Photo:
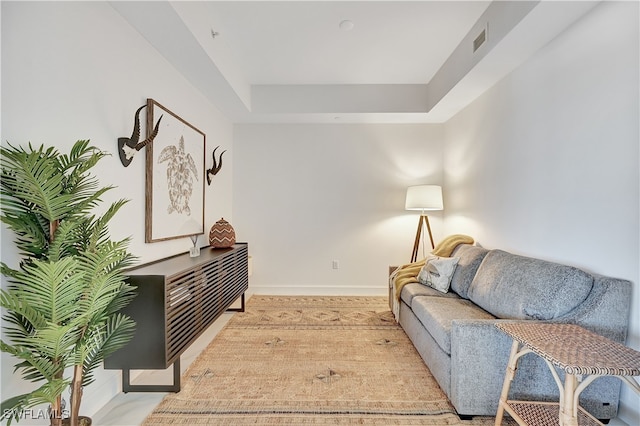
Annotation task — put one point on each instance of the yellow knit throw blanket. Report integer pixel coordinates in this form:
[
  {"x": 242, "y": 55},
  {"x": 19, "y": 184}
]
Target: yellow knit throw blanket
[{"x": 408, "y": 273}]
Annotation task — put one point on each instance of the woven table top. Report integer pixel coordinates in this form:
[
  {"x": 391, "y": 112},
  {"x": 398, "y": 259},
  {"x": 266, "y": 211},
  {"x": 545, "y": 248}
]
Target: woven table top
[{"x": 575, "y": 349}]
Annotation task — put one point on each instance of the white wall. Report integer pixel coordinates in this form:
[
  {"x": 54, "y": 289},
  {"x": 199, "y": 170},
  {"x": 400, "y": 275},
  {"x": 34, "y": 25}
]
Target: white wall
[
  {"x": 546, "y": 162},
  {"x": 77, "y": 70},
  {"x": 305, "y": 195}
]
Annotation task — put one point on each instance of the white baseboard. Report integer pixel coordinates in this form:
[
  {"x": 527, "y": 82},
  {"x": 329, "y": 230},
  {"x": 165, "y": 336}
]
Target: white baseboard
[{"x": 280, "y": 290}]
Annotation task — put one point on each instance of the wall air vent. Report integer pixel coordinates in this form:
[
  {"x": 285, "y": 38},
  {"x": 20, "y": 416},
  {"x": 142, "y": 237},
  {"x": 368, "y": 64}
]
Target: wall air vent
[{"x": 480, "y": 39}]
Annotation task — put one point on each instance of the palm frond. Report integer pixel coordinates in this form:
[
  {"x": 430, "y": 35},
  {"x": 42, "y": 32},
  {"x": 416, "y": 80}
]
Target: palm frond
[
  {"x": 31, "y": 233},
  {"x": 87, "y": 197},
  {"x": 45, "y": 394},
  {"x": 67, "y": 239},
  {"x": 53, "y": 342},
  {"x": 23, "y": 316},
  {"x": 52, "y": 185},
  {"x": 78, "y": 182},
  {"x": 35, "y": 179},
  {"x": 103, "y": 340},
  {"x": 33, "y": 366},
  {"x": 51, "y": 288},
  {"x": 109, "y": 292},
  {"x": 81, "y": 158},
  {"x": 99, "y": 232}
]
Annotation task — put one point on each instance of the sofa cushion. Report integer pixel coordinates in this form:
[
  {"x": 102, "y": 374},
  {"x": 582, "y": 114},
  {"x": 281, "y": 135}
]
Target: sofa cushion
[
  {"x": 409, "y": 291},
  {"x": 470, "y": 259},
  {"x": 437, "y": 272},
  {"x": 437, "y": 313},
  {"x": 519, "y": 287}
]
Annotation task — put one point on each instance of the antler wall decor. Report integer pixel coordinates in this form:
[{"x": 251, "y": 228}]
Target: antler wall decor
[
  {"x": 128, "y": 147},
  {"x": 217, "y": 165}
]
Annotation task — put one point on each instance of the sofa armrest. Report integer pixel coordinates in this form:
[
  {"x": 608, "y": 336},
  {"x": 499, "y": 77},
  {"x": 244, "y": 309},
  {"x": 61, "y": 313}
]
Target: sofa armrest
[
  {"x": 606, "y": 310},
  {"x": 479, "y": 356}
]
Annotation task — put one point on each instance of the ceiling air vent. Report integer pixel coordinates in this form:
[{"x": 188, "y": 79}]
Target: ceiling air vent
[{"x": 480, "y": 39}]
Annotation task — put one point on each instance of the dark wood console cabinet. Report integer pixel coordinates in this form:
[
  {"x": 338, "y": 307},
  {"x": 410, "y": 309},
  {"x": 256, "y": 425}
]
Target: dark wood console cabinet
[{"x": 178, "y": 299}]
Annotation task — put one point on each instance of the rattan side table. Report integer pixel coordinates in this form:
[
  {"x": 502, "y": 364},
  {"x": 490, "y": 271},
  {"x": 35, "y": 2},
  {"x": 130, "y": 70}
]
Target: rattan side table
[{"x": 583, "y": 355}]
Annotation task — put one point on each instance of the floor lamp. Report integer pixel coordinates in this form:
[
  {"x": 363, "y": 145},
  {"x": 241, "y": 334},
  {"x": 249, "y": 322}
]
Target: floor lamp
[{"x": 423, "y": 198}]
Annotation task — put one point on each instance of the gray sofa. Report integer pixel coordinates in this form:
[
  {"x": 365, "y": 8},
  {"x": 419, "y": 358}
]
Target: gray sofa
[{"x": 455, "y": 332}]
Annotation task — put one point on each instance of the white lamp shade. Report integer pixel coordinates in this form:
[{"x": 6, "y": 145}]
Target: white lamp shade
[{"x": 424, "y": 197}]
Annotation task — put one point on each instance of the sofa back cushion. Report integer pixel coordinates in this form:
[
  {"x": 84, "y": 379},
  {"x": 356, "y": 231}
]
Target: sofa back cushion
[
  {"x": 470, "y": 258},
  {"x": 519, "y": 287}
]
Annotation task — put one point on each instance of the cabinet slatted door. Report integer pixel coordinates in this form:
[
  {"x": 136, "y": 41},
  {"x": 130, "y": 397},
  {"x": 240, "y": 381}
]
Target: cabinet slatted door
[{"x": 178, "y": 299}]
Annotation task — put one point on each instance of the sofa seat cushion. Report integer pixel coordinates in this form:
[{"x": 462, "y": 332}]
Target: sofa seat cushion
[
  {"x": 518, "y": 287},
  {"x": 437, "y": 313},
  {"x": 409, "y": 291}
]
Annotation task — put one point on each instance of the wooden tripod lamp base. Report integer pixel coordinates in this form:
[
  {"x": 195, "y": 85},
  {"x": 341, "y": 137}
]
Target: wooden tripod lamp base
[
  {"x": 423, "y": 198},
  {"x": 423, "y": 219}
]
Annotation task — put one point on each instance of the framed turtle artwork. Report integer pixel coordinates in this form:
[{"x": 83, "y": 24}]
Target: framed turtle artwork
[{"x": 174, "y": 205}]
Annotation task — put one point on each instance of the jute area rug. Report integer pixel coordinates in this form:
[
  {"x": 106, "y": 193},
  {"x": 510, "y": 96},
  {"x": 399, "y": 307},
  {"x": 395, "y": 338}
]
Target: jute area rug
[{"x": 309, "y": 360}]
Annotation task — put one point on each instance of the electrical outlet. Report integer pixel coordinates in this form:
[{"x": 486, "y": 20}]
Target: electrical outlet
[{"x": 335, "y": 264}]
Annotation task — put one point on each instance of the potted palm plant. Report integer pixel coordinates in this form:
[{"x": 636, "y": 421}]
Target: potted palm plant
[{"x": 62, "y": 302}]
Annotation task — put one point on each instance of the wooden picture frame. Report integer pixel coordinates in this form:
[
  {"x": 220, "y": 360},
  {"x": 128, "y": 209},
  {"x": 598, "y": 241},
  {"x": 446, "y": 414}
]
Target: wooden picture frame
[{"x": 174, "y": 200}]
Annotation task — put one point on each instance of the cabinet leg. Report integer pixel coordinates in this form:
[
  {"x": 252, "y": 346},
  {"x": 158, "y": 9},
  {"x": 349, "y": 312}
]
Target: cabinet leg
[
  {"x": 175, "y": 387},
  {"x": 241, "y": 308},
  {"x": 176, "y": 376}
]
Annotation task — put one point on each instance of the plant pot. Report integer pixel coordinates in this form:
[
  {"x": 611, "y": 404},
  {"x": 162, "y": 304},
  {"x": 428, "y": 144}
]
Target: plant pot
[{"x": 82, "y": 421}]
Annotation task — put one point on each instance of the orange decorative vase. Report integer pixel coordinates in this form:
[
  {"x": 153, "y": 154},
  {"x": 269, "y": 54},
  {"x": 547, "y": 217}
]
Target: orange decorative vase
[{"x": 222, "y": 234}]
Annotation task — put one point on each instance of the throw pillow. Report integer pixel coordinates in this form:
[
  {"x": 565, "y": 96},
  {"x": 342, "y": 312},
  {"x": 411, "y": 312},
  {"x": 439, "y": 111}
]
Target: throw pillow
[{"x": 437, "y": 272}]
